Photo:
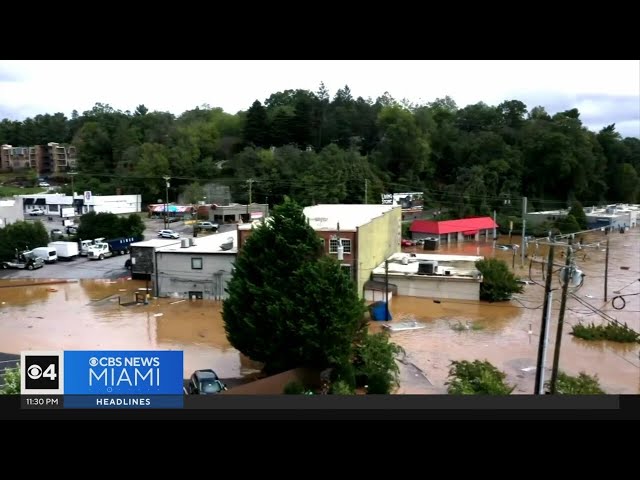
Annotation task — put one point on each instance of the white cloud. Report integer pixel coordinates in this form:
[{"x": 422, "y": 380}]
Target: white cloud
[{"x": 32, "y": 87}]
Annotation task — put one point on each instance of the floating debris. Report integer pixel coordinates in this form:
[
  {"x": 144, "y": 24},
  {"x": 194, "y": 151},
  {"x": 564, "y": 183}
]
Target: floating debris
[
  {"x": 178, "y": 301},
  {"x": 403, "y": 326},
  {"x": 158, "y": 314}
]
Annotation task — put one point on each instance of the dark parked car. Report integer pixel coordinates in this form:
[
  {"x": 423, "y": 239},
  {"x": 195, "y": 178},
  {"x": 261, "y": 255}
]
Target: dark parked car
[{"x": 205, "y": 382}]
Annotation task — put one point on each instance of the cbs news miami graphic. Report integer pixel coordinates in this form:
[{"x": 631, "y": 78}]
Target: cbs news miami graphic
[{"x": 102, "y": 379}]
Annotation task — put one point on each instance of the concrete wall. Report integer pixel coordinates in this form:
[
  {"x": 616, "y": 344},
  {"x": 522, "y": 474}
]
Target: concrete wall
[
  {"x": 175, "y": 276},
  {"x": 435, "y": 286},
  {"x": 377, "y": 240},
  {"x": 10, "y": 211},
  {"x": 275, "y": 384}
]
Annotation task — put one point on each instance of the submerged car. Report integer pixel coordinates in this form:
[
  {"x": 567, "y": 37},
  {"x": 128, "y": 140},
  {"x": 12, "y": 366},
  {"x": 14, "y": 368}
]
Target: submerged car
[{"x": 205, "y": 382}]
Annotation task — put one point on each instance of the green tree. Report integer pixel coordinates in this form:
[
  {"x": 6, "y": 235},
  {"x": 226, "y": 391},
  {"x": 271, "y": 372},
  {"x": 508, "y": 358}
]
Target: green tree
[
  {"x": 583, "y": 384},
  {"x": 375, "y": 363},
  {"x": 20, "y": 236},
  {"x": 304, "y": 311},
  {"x": 476, "y": 378},
  {"x": 577, "y": 210},
  {"x": 498, "y": 283},
  {"x": 11, "y": 381},
  {"x": 568, "y": 224},
  {"x": 109, "y": 225},
  {"x": 193, "y": 193}
]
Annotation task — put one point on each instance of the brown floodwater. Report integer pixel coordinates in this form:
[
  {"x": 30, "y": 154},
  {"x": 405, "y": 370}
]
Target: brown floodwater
[
  {"x": 499, "y": 332},
  {"x": 88, "y": 314}
]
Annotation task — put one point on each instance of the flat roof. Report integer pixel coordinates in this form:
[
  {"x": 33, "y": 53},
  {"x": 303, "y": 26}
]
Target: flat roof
[
  {"x": 208, "y": 244},
  {"x": 156, "y": 242},
  {"x": 350, "y": 217},
  {"x": 459, "y": 266}
]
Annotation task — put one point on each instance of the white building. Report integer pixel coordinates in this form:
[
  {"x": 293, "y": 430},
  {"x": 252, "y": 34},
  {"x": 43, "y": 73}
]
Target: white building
[
  {"x": 196, "y": 268},
  {"x": 10, "y": 211},
  {"x": 53, "y": 203},
  {"x": 432, "y": 276}
]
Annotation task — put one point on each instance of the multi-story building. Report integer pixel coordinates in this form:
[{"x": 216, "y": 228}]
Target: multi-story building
[
  {"x": 45, "y": 159},
  {"x": 367, "y": 233}
]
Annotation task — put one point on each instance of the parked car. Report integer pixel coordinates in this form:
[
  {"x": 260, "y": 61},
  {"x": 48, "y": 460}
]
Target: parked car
[
  {"x": 407, "y": 243},
  {"x": 168, "y": 234},
  {"x": 56, "y": 233},
  {"x": 44, "y": 185},
  {"x": 208, "y": 226},
  {"x": 205, "y": 382},
  {"x": 36, "y": 212}
]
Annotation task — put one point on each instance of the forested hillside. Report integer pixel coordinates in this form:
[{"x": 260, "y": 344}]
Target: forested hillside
[{"x": 319, "y": 148}]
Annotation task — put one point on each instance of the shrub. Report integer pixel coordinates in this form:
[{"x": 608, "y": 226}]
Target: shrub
[
  {"x": 614, "y": 332},
  {"x": 341, "y": 388},
  {"x": 376, "y": 363},
  {"x": 476, "y": 378},
  {"x": 11, "y": 381},
  {"x": 294, "y": 388},
  {"x": 583, "y": 384}
]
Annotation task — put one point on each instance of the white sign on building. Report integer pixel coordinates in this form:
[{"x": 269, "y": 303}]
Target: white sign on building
[{"x": 87, "y": 196}]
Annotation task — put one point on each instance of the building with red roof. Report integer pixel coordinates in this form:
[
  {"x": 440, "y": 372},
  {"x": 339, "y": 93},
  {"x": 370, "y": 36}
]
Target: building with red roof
[{"x": 464, "y": 229}]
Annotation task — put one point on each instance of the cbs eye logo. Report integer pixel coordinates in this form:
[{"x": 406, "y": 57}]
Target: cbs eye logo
[{"x": 41, "y": 372}]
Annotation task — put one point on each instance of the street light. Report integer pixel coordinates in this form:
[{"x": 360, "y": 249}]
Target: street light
[{"x": 166, "y": 202}]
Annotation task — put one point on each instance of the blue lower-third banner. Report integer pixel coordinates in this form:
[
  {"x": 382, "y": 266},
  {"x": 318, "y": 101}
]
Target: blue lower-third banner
[{"x": 124, "y": 401}]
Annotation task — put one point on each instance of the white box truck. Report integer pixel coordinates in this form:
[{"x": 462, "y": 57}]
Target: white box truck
[{"x": 66, "y": 250}]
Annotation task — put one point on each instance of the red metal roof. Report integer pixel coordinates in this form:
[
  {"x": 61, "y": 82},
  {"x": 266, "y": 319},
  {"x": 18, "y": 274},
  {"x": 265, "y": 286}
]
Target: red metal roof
[{"x": 452, "y": 226}]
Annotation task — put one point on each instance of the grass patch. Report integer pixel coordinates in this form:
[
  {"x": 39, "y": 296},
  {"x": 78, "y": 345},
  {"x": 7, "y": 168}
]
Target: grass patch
[
  {"x": 611, "y": 331},
  {"x": 11, "y": 191}
]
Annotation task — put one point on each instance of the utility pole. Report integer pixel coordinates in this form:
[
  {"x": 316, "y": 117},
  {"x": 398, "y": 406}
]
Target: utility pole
[
  {"x": 524, "y": 222},
  {"x": 495, "y": 237},
  {"x": 386, "y": 290},
  {"x": 606, "y": 271},
  {"x": 366, "y": 191},
  {"x": 544, "y": 328},
  {"x": 166, "y": 201},
  {"x": 566, "y": 277},
  {"x": 250, "y": 182}
]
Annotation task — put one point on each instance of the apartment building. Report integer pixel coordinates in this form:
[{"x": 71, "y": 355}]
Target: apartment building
[{"x": 51, "y": 158}]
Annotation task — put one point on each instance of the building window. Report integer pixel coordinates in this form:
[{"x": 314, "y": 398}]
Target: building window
[
  {"x": 196, "y": 263},
  {"x": 346, "y": 269},
  {"x": 333, "y": 245}
]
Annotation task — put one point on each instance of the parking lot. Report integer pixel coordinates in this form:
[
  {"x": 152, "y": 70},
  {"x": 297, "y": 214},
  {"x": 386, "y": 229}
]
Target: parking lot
[{"x": 110, "y": 268}]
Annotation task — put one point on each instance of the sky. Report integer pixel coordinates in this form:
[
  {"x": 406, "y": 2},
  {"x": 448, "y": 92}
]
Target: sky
[{"x": 604, "y": 91}]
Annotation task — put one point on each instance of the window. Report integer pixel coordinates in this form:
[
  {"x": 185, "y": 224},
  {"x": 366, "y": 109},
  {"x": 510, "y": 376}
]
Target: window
[
  {"x": 196, "y": 263},
  {"x": 346, "y": 269},
  {"x": 333, "y": 245}
]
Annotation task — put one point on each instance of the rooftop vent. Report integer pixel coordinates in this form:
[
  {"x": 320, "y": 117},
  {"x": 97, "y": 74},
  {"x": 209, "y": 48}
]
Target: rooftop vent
[{"x": 184, "y": 243}]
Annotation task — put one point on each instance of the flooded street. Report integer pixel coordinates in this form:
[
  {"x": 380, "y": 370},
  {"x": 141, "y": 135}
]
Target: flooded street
[
  {"x": 499, "y": 332},
  {"x": 86, "y": 314}
]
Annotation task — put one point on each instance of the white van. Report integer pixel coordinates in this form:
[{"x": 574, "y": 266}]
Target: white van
[{"x": 48, "y": 254}]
